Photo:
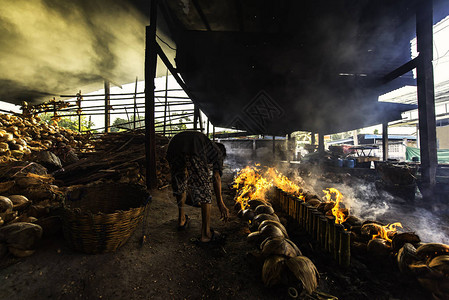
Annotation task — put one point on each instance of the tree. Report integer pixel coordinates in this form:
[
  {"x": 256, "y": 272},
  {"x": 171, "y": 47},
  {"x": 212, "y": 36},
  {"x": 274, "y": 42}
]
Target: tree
[{"x": 68, "y": 122}]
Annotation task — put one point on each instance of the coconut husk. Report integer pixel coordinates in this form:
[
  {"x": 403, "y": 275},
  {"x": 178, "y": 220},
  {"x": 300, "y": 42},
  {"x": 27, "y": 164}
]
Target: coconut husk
[
  {"x": 272, "y": 270},
  {"x": 378, "y": 247},
  {"x": 400, "y": 239},
  {"x": 313, "y": 202},
  {"x": 370, "y": 229},
  {"x": 279, "y": 246},
  {"x": 358, "y": 247},
  {"x": 20, "y": 252},
  {"x": 406, "y": 257},
  {"x": 428, "y": 251},
  {"x": 248, "y": 214},
  {"x": 20, "y": 202},
  {"x": 6, "y": 186},
  {"x": 271, "y": 231},
  {"x": 264, "y": 209},
  {"x": 275, "y": 223},
  {"x": 6, "y": 205},
  {"x": 21, "y": 235},
  {"x": 37, "y": 211},
  {"x": 352, "y": 221},
  {"x": 305, "y": 271},
  {"x": 260, "y": 218},
  {"x": 256, "y": 202}
]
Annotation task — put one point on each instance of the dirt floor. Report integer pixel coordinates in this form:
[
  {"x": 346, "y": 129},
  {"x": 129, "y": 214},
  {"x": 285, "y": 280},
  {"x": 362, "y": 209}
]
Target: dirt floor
[{"x": 171, "y": 266}]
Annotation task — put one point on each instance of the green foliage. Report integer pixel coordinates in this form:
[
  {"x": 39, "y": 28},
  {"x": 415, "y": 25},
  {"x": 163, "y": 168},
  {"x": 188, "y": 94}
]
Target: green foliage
[{"x": 68, "y": 122}]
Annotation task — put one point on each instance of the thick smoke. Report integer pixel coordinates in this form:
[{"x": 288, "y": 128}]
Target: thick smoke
[{"x": 53, "y": 47}]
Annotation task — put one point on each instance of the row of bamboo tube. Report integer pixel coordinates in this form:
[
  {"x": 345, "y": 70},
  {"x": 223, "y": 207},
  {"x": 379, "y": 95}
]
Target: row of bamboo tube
[{"x": 330, "y": 236}]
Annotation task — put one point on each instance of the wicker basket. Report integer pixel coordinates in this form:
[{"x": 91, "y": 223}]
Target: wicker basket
[{"x": 101, "y": 218}]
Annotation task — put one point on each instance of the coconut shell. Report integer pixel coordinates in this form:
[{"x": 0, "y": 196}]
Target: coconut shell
[
  {"x": 272, "y": 270},
  {"x": 37, "y": 211},
  {"x": 378, "y": 247},
  {"x": 400, "y": 239},
  {"x": 406, "y": 257},
  {"x": 305, "y": 271},
  {"x": 271, "y": 231},
  {"x": 428, "y": 251},
  {"x": 254, "y": 237},
  {"x": 440, "y": 264},
  {"x": 279, "y": 246},
  {"x": 264, "y": 209},
  {"x": 352, "y": 221},
  {"x": 6, "y": 204},
  {"x": 20, "y": 252},
  {"x": 20, "y": 202},
  {"x": 275, "y": 223},
  {"x": 262, "y": 217}
]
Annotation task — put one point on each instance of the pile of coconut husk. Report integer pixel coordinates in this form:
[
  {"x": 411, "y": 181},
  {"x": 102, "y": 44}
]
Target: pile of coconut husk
[
  {"x": 29, "y": 207},
  {"x": 283, "y": 262},
  {"x": 22, "y": 136},
  {"x": 118, "y": 157}
]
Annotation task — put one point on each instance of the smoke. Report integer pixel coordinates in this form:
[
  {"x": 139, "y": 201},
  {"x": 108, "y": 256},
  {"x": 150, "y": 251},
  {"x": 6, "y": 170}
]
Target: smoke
[{"x": 52, "y": 47}]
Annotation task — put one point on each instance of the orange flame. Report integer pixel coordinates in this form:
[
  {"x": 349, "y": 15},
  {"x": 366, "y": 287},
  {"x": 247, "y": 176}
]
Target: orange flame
[
  {"x": 253, "y": 183},
  {"x": 387, "y": 230},
  {"x": 330, "y": 195}
]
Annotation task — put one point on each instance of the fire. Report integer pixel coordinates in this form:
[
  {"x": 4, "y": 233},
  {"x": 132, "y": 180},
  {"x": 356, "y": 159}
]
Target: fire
[
  {"x": 386, "y": 231},
  {"x": 254, "y": 183},
  {"x": 337, "y": 212}
]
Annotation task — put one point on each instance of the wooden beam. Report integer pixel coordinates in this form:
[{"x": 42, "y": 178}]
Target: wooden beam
[
  {"x": 107, "y": 105},
  {"x": 202, "y": 15},
  {"x": 407, "y": 67},
  {"x": 150, "y": 74},
  {"x": 385, "y": 141},
  {"x": 426, "y": 98}
]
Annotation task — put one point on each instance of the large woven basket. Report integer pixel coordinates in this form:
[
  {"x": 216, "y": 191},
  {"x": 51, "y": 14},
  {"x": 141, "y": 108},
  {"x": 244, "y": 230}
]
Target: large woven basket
[{"x": 101, "y": 218}]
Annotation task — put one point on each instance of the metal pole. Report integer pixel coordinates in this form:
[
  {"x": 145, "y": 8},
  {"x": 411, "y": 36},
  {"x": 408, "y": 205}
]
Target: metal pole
[
  {"x": 166, "y": 100},
  {"x": 385, "y": 140},
  {"x": 150, "y": 74},
  {"x": 107, "y": 103},
  {"x": 426, "y": 97}
]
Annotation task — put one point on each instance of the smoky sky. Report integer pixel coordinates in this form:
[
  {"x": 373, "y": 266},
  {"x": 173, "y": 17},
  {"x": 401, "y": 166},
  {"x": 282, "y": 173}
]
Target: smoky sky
[{"x": 50, "y": 47}]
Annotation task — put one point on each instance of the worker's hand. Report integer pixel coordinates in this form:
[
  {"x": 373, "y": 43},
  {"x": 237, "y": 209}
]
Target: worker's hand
[{"x": 224, "y": 212}]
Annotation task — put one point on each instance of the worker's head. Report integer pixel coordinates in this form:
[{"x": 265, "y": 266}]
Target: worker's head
[{"x": 222, "y": 149}]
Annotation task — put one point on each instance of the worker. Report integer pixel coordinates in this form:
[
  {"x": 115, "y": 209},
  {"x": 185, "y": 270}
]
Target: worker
[{"x": 190, "y": 155}]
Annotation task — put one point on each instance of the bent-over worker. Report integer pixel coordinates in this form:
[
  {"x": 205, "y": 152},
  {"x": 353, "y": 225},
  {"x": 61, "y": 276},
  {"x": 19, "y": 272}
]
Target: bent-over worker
[{"x": 189, "y": 154}]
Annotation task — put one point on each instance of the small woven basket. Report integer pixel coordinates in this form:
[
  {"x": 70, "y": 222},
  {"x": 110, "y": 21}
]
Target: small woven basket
[{"x": 101, "y": 218}]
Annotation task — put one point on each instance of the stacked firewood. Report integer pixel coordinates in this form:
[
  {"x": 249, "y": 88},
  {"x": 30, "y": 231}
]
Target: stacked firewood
[{"x": 118, "y": 157}]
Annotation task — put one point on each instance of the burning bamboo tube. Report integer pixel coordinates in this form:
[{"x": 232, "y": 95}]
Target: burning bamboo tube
[
  {"x": 330, "y": 233},
  {"x": 345, "y": 249},
  {"x": 323, "y": 227},
  {"x": 337, "y": 233}
]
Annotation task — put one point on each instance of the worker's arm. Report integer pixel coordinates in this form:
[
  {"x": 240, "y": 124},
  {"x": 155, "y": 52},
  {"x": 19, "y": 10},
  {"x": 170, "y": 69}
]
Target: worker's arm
[{"x": 217, "y": 189}]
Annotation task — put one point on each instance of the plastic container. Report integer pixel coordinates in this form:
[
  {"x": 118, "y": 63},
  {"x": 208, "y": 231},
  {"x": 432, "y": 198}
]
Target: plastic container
[{"x": 349, "y": 163}]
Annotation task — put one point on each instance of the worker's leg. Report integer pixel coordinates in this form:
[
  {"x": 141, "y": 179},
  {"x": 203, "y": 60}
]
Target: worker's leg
[
  {"x": 181, "y": 199},
  {"x": 205, "y": 225}
]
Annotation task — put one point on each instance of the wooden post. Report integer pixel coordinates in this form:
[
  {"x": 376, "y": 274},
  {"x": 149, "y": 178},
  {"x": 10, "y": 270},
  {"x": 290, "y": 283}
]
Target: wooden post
[
  {"x": 79, "y": 98},
  {"x": 313, "y": 138},
  {"x": 321, "y": 142},
  {"x": 213, "y": 132},
  {"x": 135, "y": 105},
  {"x": 150, "y": 74},
  {"x": 166, "y": 100},
  {"x": 107, "y": 104},
  {"x": 196, "y": 113},
  {"x": 385, "y": 141},
  {"x": 274, "y": 146},
  {"x": 426, "y": 97}
]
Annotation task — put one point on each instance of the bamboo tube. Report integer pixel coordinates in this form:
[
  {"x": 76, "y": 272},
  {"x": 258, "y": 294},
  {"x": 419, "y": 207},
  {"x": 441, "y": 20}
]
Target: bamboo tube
[
  {"x": 331, "y": 233},
  {"x": 338, "y": 229},
  {"x": 345, "y": 249},
  {"x": 315, "y": 224},
  {"x": 303, "y": 213},
  {"x": 297, "y": 210},
  {"x": 323, "y": 226},
  {"x": 309, "y": 219}
]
